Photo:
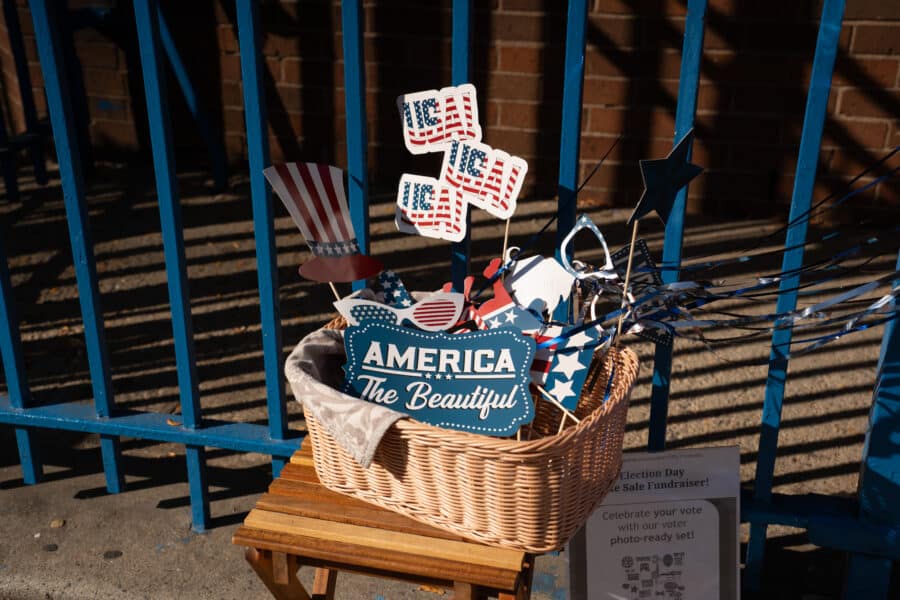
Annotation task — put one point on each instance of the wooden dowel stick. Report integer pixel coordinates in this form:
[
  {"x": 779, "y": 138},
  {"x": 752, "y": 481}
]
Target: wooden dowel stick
[
  {"x": 555, "y": 402},
  {"x": 334, "y": 291},
  {"x": 634, "y": 231},
  {"x": 505, "y": 242}
]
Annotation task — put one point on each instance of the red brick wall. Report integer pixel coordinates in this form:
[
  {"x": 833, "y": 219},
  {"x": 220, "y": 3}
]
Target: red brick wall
[{"x": 756, "y": 64}]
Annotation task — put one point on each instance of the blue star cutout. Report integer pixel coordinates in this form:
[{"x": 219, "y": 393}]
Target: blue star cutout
[{"x": 663, "y": 178}]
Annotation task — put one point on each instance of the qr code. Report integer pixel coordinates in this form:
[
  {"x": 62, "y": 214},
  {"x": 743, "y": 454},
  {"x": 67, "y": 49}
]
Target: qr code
[{"x": 653, "y": 577}]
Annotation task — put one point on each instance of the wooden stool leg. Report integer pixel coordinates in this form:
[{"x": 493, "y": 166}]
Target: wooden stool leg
[
  {"x": 467, "y": 591},
  {"x": 523, "y": 591},
  {"x": 265, "y": 567},
  {"x": 463, "y": 591},
  {"x": 323, "y": 584}
]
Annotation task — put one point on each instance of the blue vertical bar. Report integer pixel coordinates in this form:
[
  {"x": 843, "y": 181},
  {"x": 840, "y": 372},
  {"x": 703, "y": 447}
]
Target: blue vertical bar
[
  {"x": 570, "y": 138},
  {"x": 461, "y": 67},
  {"x": 263, "y": 217},
  {"x": 26, "y": 95},
  {"x": 879, "y": 479},
  {"x": 70, "y": 171},
  {"x": 867, "y": 577},
  {"x": 77, "y": 94},
  {"x": 804, "y": 180},
  {"x": 14, "y": 368},
  {"x": 8, "y": 162},
  {"x": 215, "y": 150},
  {"x": 357, "y": 139},
  {"x": 146, "y": 18},
  {"x": 688, "y": 85}
]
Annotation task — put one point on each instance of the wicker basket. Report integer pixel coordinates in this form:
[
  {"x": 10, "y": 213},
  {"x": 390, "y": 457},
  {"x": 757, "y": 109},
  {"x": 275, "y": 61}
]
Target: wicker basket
[{"x": 528, "y": 495}]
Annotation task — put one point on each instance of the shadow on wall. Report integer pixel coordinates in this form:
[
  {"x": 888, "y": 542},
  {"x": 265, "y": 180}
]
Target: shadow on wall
[{"x": 755, "y": 70}]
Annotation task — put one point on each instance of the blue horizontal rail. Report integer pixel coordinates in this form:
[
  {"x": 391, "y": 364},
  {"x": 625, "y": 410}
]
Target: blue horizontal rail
[
  {"x": 242, "y": 437},
  {"x": 830, "y": 522}
]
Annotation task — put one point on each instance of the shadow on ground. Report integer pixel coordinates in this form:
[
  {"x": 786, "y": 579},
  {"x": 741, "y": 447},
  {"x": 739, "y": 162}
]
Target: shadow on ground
[{"x": 715, "y": 400}]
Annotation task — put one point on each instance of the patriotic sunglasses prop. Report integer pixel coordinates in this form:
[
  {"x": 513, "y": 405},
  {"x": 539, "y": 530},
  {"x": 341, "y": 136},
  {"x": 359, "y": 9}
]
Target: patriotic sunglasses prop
[
  {"x": 436, "y": 312},
  {"x": 314, "y": 196}
]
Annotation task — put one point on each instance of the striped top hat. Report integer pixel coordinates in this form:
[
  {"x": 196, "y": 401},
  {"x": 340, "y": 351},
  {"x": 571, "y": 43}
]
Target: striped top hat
[{"x": 314, "y": 196}]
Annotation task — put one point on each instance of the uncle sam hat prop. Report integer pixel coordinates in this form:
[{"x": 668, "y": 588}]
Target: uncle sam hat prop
[{"x": 314, "y": 196}]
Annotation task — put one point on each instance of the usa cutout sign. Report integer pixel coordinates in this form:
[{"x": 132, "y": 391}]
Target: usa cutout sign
[
  {"x": 488, "y": 178},
  {"x": 475, "y": 382},
  {"x": 433, "y": 118},
  {"x": 427, "y": 207}
]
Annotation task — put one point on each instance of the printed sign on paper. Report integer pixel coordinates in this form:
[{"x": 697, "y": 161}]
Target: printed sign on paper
[
  {"x": 669, "y": 528},
  {"x": 474, "y": 382}
]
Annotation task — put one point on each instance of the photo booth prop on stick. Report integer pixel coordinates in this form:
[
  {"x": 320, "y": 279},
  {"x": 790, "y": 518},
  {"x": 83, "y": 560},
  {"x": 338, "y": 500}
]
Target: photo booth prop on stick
[
  {"x": 473, "y": 173},
  {"x": 314, "y": 196},
  {"x": 433, "y": 118}
]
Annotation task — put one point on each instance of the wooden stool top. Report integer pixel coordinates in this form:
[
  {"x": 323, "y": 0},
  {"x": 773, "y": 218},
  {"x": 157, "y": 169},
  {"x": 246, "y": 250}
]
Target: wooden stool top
[{"x": 300, "y": 517}]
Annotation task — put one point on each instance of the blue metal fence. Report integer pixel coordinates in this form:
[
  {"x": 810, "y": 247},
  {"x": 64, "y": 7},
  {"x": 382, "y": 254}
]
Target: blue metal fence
[
  {"x": 33, "y": 136},
  {"x": 869, "y": 529}
]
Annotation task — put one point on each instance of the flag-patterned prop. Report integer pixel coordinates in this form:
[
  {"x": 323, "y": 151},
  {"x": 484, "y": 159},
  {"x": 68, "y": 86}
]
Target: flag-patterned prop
[
  {"x": 473, "y": 173},
  {"x": 314, "y": 196},
  {"x": 569, "y": 363},
  {"x": 426, "y": 207},
  {"x": 437, "y": 312},
  {"x": 502, "y": 310},
  {"x": 488, "y": 179},
  {"x": 395, "y": 293},
  {"x": 434, "y": 118}
]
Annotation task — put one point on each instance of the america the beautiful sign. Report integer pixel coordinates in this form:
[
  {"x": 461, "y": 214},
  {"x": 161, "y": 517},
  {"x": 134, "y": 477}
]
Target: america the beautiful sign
[{"x": 476, "y": 382}]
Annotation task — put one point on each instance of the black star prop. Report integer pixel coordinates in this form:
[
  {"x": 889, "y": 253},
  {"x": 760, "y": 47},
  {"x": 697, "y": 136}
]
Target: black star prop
[{"x": 663, "y": 178}]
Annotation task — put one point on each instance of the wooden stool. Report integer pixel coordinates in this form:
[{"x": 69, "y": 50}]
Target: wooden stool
[{"x": 301, "y": 523}]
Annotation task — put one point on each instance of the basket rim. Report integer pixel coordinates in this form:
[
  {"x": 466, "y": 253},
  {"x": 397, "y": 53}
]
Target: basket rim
[{"x": 411, "y": 426}]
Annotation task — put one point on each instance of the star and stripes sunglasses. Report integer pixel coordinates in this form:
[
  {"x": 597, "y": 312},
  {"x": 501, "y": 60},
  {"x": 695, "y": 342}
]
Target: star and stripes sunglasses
[{"x": 435, "y": 312}]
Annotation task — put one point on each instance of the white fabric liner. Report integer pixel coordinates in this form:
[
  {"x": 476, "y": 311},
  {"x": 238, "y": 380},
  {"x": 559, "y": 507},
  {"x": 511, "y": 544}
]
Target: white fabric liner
[{"x": 314, "y": 371}]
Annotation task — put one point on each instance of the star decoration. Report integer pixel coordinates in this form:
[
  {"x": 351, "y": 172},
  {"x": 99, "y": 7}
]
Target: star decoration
[
  {"x": 427, "y": 375},
  {"x": 663, "y": 178},
  {"x": 437, "y": 376},
  {"x": 561, "y": 390},
  {"x": 568, "y": 363},
  {"x": 510, "y": 316},
  {"x": 395, "y": 293},
  {"x": 579, "y": 340},
  {"x": 493, "y": 323}
]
